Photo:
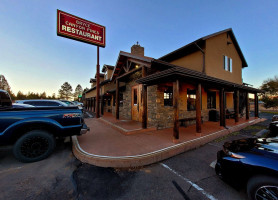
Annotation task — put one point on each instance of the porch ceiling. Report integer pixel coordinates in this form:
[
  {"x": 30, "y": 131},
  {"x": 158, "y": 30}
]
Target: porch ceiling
[{"x": 181, "y": 73}]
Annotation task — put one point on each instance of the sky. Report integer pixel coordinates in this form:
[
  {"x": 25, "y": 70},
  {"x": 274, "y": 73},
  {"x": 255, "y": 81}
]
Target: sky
[{"x": 33, "y": 58}]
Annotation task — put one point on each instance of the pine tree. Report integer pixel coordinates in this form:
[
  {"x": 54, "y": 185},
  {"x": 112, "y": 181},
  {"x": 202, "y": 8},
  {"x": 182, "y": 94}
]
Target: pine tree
[
  {"x": 78, "y": 91},
  {"x": 4, "y": 85},
  {"x": 66, "y": 91}
]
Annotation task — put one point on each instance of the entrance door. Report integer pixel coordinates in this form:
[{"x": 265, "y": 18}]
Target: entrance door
[{"x": 136, "y": 103}]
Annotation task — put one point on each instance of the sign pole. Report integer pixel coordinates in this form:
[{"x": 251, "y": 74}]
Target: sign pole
[{"x": 97, "y": 96}]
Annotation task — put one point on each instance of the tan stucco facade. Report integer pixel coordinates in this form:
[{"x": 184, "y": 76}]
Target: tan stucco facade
[
  {"x": 192, "y": 61},
  {"x": 216, "y": 48}
]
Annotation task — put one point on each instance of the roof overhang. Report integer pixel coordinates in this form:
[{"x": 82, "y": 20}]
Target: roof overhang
[{"x": 176, "y": 72}]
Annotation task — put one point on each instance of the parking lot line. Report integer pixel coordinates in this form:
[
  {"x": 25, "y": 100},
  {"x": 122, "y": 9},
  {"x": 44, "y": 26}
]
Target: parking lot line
[
  {"x": 11, "y": 169},
  {"x": 213, "y": 164},
  {"x": 209, "y": 196},
  {"x": 89, "y": 115}
]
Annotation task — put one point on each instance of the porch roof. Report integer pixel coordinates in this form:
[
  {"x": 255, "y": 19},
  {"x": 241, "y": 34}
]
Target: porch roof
[{"x": 176, "y": 72}]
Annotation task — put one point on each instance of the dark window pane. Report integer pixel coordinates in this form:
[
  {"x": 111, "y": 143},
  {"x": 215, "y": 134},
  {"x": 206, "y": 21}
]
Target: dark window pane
[
  {"x": 191, "y": 99},
  {"x": 168, "y": 96},
  {"x": 135, "y": 96},
  {"x": 211, "y": 102}
]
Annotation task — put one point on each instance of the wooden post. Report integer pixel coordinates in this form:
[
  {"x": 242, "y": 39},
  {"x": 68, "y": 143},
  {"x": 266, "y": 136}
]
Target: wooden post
[
  {"x": 117, "y": 99},
  {"x": 90, "y": 104},
  {"x": 222, "y": 108},
  {"x": 97, "y": 96},
  {"x": 176, "y": 110},
  {"x": 94, "y": 104},
  {"x": 256, "y": 105},
  {"x": 102, "y": 104},
  {"x": 144, "y": 100},
  {"x": 198, "y": 108},
  {"x": 247, "y": 106},
  {"x": 236, "y": 105}
]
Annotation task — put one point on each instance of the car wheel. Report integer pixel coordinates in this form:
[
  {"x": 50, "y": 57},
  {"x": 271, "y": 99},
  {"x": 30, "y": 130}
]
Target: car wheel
[
  {"x": 34, "y": 146},
  {"x": 262, "y": 188}
]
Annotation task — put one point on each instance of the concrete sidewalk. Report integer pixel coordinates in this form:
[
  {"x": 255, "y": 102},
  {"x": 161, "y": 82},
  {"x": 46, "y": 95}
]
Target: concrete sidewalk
[{"x": 106, "y": 146}]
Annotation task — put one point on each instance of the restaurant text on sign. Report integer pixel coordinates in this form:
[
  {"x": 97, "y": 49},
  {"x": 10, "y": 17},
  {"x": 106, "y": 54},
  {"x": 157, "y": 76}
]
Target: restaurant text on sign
[{"x": 79, "y": 29}]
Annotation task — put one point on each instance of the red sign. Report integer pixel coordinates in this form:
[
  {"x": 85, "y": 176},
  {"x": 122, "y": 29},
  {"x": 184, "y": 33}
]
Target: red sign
[{"x": 80, "y": 29}]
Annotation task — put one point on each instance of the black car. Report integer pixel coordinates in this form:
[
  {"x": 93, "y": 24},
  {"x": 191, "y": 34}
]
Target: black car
[
  {"x": 251, "y": 162},
  {"x": 273, "y": 128}
]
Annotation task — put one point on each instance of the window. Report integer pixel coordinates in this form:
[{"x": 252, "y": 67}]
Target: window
[
  {"x": 211, "y": 100},
  {"x": 191, "y": 99},
  {"x": 227, "y": 63},
  {"x": 109, "y": 102},
  {"x": 230, "y": 65},
  {"x": 135, "y": 96},
  {"x": 168, "y": 96},
  {"x": 121, "y": 99}
]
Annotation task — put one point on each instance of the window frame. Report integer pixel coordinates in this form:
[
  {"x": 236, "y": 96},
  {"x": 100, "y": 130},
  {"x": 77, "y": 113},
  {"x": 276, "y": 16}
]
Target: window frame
[{"x": 168, "y": 96}]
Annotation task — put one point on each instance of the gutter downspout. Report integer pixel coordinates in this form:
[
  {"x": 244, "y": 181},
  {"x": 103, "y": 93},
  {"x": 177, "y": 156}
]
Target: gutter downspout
[{"x": 204, "y": 65}]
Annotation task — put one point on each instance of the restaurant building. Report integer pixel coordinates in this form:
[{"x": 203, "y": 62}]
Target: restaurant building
[{"x": 198, "y": 82}]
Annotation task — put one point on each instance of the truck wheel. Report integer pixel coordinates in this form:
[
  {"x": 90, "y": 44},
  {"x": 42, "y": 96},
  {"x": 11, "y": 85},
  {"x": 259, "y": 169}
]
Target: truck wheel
[
  {"x": 34, "y": 146},
  {"x": 262, "y": 187}
]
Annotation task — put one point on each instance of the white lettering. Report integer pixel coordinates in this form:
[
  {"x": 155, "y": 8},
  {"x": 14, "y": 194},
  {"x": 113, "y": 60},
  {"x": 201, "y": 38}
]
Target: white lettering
[
  {"x": 64, "y": 28},
  {"x": 68, "y": 29}
]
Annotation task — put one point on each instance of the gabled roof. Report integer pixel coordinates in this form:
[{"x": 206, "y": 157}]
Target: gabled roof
[
  {"x": 107, "y": 67},
  {"x": 92, "y": 80},
  {"x": 192, "y": 47},
  {"x": 122, "y": 57}
]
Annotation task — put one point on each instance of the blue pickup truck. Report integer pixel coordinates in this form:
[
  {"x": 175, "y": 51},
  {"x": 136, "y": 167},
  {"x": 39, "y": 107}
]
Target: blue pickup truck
[{"x": 33, "y": 131}]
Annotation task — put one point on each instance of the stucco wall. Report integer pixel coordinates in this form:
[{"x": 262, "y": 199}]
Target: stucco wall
[
  {"x": 192, "y": 61},
  {"x": 216, "y": 47}
]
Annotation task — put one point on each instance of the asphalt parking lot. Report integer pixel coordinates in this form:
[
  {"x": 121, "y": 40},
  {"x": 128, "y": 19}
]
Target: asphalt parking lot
[{"x": 187, "y": 176}]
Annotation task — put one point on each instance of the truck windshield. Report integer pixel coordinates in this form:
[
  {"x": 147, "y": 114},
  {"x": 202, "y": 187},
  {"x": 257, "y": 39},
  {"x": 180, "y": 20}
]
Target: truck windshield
[{"x": 5, "y": 100}]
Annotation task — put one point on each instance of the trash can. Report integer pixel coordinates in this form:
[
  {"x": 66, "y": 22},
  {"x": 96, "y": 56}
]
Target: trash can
[{"x": 214, "y": 115}]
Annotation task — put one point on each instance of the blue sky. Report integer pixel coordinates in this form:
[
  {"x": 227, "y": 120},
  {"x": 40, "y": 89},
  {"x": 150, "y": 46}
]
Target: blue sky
[{"x": 34, "y": 58}]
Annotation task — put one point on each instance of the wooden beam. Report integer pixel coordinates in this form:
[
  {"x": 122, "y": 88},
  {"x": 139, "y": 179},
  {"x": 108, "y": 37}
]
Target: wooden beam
[
  {"x": 236, "y": 106},
  {"x": 128, "y": 73},
  {"x": 176, "y": 110},
  {"x": 147, "y": 64},
  {"x": 117, "y": 99},
  {"x": 198, "y": 108},
  {"x": 256, "y": 105},
  {"x": 222, "y": 107},
  {"x": 144, "y": 100},
  {"x": 247, "y": 115}
]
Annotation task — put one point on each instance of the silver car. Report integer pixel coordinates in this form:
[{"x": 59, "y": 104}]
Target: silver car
[{"x": 43, "y": 103}]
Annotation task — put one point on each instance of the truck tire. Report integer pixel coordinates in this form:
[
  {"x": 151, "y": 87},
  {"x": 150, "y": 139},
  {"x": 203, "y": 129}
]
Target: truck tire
[
  {"x": 34, "y": 146},
  {"x": 262, "y": 186}
]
